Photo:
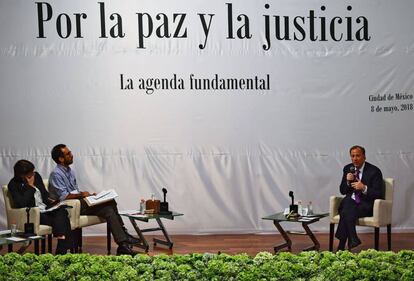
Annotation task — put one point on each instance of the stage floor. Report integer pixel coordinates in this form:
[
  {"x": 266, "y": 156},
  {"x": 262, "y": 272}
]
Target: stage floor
[{"x": 241, "y": 243}]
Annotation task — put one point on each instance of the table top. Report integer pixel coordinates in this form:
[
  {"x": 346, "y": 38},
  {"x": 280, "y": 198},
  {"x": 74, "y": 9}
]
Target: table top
[
  {"x": 7, "y": 239},
  {"x": 307, "y": 219},
  {"x": 147, "y": 217}
]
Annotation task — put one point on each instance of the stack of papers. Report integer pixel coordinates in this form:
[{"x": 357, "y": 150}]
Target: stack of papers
[
  {"x": 101, "y": 197},
  {"x": 3, "y": 232},
  {"x": 54, "y": 207},
  {"x": 306, "y": 219},
  {"x": 15, "y": 239},
  {"x": 134, "y": 213}
]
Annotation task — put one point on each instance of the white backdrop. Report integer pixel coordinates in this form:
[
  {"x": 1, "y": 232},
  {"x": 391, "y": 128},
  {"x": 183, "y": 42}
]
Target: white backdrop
[{"x": 227, "y": 157}]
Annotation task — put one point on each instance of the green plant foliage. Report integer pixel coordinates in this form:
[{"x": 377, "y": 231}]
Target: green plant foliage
[{"x": 366, "y": 266}]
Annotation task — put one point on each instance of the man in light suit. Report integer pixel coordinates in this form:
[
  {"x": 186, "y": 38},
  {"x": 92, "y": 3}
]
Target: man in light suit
[{"x": 361, "y": 184}]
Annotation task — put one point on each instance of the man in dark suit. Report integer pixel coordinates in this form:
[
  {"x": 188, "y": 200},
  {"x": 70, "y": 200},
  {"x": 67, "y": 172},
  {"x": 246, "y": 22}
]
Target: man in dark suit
[{"x": 361, "y": 184}]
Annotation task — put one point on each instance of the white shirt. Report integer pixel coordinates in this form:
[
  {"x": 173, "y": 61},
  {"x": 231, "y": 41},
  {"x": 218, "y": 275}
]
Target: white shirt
[{"x": 38, "y": 200}]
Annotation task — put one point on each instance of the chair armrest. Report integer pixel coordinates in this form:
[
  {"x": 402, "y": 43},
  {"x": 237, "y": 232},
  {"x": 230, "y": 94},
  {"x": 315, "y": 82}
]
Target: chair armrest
[
  {"x": 19, "y": 217},
  {"x": 334, "y": 202},
  {"x": 73, "y": 212},
  {"x": 382, "y": 212}
]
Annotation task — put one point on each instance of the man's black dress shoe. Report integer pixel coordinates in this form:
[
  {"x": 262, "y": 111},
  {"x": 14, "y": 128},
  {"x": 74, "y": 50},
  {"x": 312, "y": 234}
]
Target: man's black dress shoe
[
  {"x": 352, "y": 243},
  {"x": 62, "y": 247},
  {"x": 341, "y": 245},
  {"x": 125, "y": 249},
  {"x": 132, "y": 240}
]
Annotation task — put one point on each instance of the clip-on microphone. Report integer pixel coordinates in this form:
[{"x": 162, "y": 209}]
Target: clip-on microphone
[
  {"x": 28, "y": 226},
  {"x": 164, "y": 205}
]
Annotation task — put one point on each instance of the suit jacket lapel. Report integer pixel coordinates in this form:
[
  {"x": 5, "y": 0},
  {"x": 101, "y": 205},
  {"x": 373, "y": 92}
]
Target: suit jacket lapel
[{"x": 365, "y": 173}]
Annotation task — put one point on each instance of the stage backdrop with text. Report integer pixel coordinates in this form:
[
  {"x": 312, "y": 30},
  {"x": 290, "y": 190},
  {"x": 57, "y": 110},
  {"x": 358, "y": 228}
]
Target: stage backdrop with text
[{"x": 227, "y": 104}]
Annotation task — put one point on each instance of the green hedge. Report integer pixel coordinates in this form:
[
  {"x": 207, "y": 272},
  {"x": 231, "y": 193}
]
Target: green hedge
[{"x": 367, "y": 265}]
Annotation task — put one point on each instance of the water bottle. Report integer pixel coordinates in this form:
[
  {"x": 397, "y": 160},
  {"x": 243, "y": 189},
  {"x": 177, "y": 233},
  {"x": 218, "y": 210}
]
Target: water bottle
[
  {"x": 300, "y": 211},
  {"x": 310, "y": 209},
  {"x": 142, "y": 206}
]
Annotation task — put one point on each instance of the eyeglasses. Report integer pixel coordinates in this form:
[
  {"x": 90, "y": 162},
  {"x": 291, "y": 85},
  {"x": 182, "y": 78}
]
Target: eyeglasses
[{"x": 67, "y": 153}]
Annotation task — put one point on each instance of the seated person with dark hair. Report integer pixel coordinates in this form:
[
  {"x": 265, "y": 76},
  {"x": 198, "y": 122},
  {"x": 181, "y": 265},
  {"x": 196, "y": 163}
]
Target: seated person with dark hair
[
  {"x": 27, "y": 190},
  {"x": 63, "y": 181},
  {"x": 361, "y": 184}
]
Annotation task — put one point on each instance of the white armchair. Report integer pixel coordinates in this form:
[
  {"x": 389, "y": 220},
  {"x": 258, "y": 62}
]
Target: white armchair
[
  {"x": 80, "y": 221},
  {"x": 382, "y": 215},
  {"x": 18, "y": 216}
]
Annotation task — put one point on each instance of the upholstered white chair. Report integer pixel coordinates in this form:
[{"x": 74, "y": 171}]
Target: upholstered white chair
[
  {"x": 382, "y": 215},
  {"x": 82, "y": 221},
  {"x": 18, "y": 216}
]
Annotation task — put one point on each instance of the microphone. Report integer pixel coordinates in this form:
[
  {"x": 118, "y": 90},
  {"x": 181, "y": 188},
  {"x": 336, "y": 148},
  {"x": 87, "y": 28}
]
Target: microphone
[
  {"x": 28, "y": 226},
  {"x": 293, "y": 208},
  {"x": 28, "y": 214},
  {"x": 164, "y": 190},
  {"x": 164, "y": 205},
  {"x": 352, "y": 170},
  {"x": 291, "y": 196}
]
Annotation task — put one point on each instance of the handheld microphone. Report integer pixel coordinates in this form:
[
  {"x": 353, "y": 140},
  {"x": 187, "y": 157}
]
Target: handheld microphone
[{"x": 352, "y": 170}]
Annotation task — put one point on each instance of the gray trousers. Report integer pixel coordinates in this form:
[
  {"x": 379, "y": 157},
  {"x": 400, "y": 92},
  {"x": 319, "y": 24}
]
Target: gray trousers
[{"x": 108, "y": 211}]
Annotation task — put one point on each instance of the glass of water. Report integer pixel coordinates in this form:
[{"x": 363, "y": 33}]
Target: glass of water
[
  {"x": 13, "y": 229},
  {"x": 305, "y": 211}
]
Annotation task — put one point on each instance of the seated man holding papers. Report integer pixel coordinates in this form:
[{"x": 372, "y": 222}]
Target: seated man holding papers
[{"x": 63, "y": 181}]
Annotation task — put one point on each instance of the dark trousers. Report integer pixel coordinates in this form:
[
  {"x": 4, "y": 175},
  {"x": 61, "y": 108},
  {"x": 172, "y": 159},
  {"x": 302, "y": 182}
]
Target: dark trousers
[
  {"x": 350, "y": 212},
  {"x": 108, "y": 211},
  {"x": 59, "y": 221}
]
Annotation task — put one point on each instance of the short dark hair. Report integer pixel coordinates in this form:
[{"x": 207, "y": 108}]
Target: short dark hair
[
  {"x": 57, "y": 152},
  {"x": 23, "y": 168},
  {"x": 357, "y": 147}
]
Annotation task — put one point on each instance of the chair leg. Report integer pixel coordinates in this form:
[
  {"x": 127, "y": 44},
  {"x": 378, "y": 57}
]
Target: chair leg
[
  {"x": 389, "y": 236},
  {"x": 108, "y": 238},
  {"x": 36, "y": 247},
  {"x": 331, "y": 236},
  {"x": 49, "y": 243},
  {"x": 376, "y": 238},
  {"x": 75, "y": 237},
  {"x": 80, "y": 240},
  {"x": 43, "y": 245}
]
